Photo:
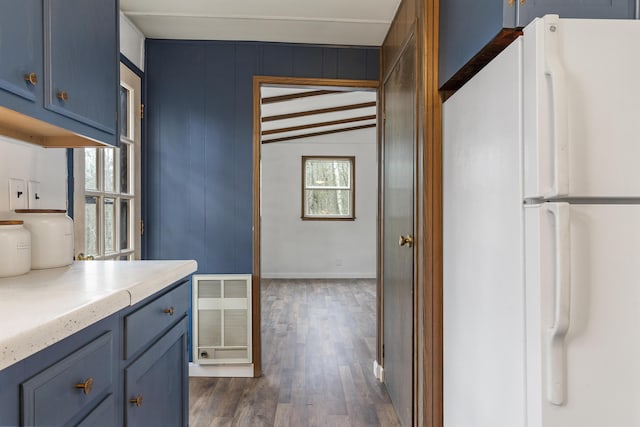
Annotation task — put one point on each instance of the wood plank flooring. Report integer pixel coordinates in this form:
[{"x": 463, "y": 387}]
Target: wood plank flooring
[{"x": 318, "y": 339}]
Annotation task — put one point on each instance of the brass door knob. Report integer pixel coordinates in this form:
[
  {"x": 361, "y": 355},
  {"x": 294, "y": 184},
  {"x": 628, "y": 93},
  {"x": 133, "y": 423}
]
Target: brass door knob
[
  {"x": 169, "y": 311},
  {"x": 137, "y": 400},
  {"x": 63, "y": 96},
  {"x": 31, "y": 78},
  {"x": 86, "y": 386},
  {"x": 406, "y": 240}
]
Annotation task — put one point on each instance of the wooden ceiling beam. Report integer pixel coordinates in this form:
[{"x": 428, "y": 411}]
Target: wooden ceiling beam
[
  {"x": 319, "y": 124},
  {"x": 319, "y": 111},
  {"x": 326, "y": 132},
  {"x": 291, "y": 96}
]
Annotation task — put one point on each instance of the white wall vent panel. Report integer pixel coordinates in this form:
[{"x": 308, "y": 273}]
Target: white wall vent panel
[{"x": 221, "y": 319}]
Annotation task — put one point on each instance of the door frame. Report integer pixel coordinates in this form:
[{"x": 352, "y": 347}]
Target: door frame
[{"x": 258, "y": 81}]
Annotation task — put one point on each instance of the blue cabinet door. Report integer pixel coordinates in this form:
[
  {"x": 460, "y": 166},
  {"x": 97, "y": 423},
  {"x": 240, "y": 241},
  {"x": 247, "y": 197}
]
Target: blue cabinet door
[
  {"x": 473, "y": 32},
  {"x": 21, "y": 48},
  {"x": 81, "y": 61},
  {"x": 156, "y": 384}
]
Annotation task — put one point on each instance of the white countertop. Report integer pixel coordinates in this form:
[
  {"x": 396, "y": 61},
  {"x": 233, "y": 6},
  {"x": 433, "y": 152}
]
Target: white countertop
[{"x": 45, "y": 306}]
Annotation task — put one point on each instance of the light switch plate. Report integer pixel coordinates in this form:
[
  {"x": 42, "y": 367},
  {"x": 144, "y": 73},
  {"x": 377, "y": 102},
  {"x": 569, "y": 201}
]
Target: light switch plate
[
  {"x": 33, "y": 189},
  {"x": 17, "y": 194}
]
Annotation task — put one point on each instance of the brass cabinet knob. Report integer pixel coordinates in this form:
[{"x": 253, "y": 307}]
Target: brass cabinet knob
[
  {"x": 86, "y": 386},
  {"x": 406, "y": 240},
  {"x": 31, "y": 78},
  {"x": 137, "y": 400},
  {"x": 63, "y": 96},
  {"x": 169, "y": 311}
]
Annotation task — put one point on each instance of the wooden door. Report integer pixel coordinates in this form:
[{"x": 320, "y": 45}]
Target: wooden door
[{"x": 398, "y": 220}]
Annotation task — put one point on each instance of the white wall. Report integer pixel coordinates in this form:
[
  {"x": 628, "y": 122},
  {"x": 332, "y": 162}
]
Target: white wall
[
  {"x": 131, "y": 42},
  {"x": 292, "y": 248},
  {"x": 30, "y": 162}
]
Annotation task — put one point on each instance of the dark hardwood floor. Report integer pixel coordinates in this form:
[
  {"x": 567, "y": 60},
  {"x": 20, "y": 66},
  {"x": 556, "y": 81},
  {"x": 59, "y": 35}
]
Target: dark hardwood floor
[{"x": 318, "y": 347}]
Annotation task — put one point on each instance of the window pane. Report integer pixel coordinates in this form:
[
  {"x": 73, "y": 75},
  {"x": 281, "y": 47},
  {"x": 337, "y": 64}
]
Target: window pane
[
  {"x": 109, "y": 170},
  {"x": 328, "y": 173},
  {"x": 328, "y": 202},
  {"x": 109, "y": 225},
  {"x": 90, "y": 169},
  {"x": 125, "y": 227},
  {"x": 125, "y": 151},
  {"x": 91, "y": 226},
  {"x": 124, "y": 112}
]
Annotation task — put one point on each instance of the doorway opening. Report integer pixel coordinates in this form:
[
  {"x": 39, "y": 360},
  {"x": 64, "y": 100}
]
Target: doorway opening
[{"x": 298, "y": 205}]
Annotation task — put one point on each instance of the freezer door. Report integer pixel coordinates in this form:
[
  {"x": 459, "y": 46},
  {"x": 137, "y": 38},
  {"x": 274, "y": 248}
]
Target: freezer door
[
  {"x": 483, "y": 250},
  {"x": 582, "y": 274},
  {"x": 581, "y": 108}
]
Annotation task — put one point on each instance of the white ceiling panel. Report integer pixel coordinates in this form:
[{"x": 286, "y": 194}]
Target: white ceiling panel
[{"x": 341, "y": 22}]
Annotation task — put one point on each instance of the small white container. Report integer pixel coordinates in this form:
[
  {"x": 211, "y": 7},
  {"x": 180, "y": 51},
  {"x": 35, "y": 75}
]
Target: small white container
[
  {"x": 15, "y": 249},
  {"x": 51, "y": 237}
]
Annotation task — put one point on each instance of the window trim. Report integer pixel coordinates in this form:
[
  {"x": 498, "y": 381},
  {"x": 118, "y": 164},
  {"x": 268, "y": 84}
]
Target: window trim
[{"x": 352, "y": 216}]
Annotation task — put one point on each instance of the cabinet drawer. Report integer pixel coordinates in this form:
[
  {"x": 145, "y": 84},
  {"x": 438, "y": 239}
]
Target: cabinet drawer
[
  {"x": 55, "y": 395},
  {"x": 146, "y": 323}
]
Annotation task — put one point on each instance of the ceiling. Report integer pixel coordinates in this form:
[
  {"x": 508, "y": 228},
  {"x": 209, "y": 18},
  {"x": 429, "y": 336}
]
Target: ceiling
[
  {"x": 341, "y": 22},
  {"x": 291, "y": 113}
]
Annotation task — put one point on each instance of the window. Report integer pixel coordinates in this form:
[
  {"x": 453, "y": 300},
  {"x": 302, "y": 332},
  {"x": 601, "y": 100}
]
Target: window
[
  {"x": 328, "y": 188},
  {"x": 107, "y": 186}
]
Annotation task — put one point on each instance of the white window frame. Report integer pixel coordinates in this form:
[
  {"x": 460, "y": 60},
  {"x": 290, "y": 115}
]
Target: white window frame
[{"x": 132, "y": 83}]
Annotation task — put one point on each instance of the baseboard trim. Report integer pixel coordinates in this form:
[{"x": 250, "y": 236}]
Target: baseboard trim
[
  {"x": 318, "y": 275},
  {"x": 226, "y": 371},
  {"x": 378, "y": 371}
]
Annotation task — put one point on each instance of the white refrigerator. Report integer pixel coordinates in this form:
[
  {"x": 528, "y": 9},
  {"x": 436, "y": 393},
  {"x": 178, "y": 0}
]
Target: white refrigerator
[{"x": 541, "y": 192}]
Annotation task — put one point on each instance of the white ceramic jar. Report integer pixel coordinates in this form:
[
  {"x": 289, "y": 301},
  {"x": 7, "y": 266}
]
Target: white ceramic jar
[
  {"x": 51, "y": 237},
  {"x": 15, "y": 248}
]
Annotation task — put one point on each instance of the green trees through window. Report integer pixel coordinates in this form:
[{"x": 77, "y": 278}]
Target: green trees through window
[{"x": 328, "y": 187}]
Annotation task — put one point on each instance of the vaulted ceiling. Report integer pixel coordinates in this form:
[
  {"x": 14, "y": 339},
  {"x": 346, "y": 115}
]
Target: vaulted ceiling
[
  {"x": 342, "y": 22},
  {"x": 290, "y": 113}
]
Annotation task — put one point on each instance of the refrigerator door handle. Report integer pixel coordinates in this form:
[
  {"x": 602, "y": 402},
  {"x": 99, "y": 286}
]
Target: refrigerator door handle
[
  {"x": 562, "y": 307},
  {"x": 554, "y": 70}
]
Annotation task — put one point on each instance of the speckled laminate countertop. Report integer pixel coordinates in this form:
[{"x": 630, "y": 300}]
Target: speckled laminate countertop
[{"x": 43, "y": 307}]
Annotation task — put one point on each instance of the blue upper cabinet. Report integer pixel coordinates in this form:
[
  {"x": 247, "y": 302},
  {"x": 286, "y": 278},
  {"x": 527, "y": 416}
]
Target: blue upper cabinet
[
  {"x": 81, "y": 63},
  {"x": 21, "y": 49},
  {"x": 473, "y": 32},
  {"x": 59, "y": 64}
]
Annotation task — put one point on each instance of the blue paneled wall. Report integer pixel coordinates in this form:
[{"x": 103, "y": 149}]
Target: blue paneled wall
[{"x": 199, "y": 152}]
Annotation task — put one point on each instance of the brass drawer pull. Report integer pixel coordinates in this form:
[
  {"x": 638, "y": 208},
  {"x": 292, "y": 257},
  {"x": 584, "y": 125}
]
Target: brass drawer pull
[
  {"x": 63, "y": 96},
  {"x": 31, "y": 78},
  {"x": 169, "y": 311},
  {"x": 86, "y": 386},
  {"x": 137, "y": 400}
]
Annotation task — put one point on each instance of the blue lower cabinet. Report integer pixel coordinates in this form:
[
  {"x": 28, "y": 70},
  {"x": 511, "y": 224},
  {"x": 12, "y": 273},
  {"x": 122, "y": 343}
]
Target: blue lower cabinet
[
  {"x": 104, "y": 415},
  {"x": 87, "y": 380},
  {"x": 156, "y": 384},
  {"x": 71, "y": 387}
]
